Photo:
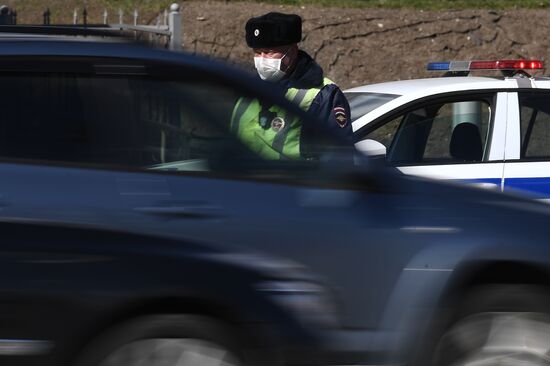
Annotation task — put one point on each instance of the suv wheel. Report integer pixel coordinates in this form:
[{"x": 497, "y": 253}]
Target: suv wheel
[
  {"x": 499, "y": 325},
  {"x": 167, "y": 340}
]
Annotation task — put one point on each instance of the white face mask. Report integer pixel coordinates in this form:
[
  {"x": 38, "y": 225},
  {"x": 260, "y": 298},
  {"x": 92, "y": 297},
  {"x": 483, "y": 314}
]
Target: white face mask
[{"x": 269, "y": 68}]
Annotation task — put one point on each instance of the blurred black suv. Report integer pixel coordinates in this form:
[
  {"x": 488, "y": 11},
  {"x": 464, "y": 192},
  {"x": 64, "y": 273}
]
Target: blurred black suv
[
  {"x": 118, "y": 170},
  {"x": 90, "y": 133}
]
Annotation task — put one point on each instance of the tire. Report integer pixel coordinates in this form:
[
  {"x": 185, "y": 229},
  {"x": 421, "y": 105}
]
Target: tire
[
  {"x": 498, "y": 325},
  {"x": 163, "y": 340}
]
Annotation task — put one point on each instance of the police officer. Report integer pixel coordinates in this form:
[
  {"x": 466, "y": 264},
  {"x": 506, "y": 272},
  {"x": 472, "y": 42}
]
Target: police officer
[{"x": 264, "y": 128}]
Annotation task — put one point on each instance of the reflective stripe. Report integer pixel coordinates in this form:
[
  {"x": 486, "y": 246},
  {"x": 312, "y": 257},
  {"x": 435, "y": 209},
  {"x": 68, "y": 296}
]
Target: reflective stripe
[
  {"x": 299, "y": 96},
  {"x": 280, "y": 138},
  {"x": 310, "y": 94},
  {"x": 244, "y": 103}
]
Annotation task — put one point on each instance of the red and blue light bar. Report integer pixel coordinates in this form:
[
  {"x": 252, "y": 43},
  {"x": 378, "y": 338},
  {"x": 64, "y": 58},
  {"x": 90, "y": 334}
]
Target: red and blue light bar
[{"x": 486, "y": 65}]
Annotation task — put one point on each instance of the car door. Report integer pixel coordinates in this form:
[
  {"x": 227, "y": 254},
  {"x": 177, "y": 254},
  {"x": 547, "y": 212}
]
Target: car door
[
  {"x": 457, "y": 137},
  {"x": 45, "y": 145},
  {"x": 145, "y": 146},
  {"x": 528, "y": 144}
]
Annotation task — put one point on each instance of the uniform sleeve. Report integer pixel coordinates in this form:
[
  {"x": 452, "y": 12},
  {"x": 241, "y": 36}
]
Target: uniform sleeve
[{"x": 331, "y": 114}]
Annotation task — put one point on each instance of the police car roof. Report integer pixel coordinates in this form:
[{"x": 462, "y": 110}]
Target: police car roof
[
  {"x": 403, "y": 87},
  {"x": 97, "y": 32},
  {"x": 408, "y": 91}
]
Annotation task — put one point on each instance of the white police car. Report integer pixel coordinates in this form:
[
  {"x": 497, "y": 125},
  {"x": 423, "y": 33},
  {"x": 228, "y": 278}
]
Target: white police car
[{"x": 490, "y": 131}]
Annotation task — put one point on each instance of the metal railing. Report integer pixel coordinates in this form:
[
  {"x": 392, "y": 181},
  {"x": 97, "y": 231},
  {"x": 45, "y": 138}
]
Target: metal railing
[{"x": 168, "y": 26}]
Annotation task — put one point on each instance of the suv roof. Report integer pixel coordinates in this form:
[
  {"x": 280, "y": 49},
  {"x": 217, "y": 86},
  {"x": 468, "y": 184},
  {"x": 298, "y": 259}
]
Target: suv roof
[{"x": 89, "y": 32}]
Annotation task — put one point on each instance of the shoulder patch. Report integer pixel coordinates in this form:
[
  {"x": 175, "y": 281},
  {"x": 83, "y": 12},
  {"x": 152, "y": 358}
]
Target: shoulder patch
[{"x": 340, "y": 116}]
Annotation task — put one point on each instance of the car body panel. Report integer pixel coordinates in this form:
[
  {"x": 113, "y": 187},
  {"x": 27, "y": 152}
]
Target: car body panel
[
  {"x": 111, "y": 276},
  {"x": 527, "y": 177}
]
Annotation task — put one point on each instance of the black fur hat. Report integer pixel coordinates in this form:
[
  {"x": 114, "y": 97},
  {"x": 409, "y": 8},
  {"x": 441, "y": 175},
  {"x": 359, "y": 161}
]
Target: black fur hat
[{"x": 273, "y": 29}]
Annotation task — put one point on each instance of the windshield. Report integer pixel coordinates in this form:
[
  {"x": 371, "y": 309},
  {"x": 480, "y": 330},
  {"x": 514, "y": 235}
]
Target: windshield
[{"x": 363, "y": 103}]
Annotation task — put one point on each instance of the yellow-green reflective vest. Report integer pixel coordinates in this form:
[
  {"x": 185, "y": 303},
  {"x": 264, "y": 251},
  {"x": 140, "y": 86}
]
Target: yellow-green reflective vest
[{"x": 281, "y": 137}]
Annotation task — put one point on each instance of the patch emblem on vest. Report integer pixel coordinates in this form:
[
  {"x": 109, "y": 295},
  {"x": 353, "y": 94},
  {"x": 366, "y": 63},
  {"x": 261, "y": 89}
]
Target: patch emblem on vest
[
  {"x": 340, "y": 115},
  {"x": 277, "y": 124}
]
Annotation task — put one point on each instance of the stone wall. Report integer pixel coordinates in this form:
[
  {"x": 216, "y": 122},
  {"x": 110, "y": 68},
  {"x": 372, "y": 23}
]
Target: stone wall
[{"x": 361, "y": 46}]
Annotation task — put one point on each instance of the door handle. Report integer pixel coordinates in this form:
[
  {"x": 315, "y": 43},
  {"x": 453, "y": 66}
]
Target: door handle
[{"x": 195, "y": 211}]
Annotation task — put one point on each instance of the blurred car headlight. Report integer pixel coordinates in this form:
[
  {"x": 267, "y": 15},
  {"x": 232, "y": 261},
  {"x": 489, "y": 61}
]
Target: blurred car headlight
[
  {"x": 290, "y": 285},
  {"x": 309, "y": 302}
]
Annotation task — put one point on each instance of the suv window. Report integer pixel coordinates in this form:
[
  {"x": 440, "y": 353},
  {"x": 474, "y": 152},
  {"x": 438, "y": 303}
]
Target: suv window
[
  {"x": 438, "y": 133},
  {"x": 535, "y": 125},
  {"x": 132, "y": 121}
]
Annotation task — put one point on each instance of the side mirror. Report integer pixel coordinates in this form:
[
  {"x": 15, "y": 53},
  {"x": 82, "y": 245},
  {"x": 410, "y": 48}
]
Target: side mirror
[{"x": 370, "y": 148}]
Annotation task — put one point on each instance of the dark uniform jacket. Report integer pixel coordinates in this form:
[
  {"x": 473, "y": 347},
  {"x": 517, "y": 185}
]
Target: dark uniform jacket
[{"x": 330, "y": 109}]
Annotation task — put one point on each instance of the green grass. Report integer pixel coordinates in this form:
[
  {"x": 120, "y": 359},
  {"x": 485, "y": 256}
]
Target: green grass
[
  {"x": 143, "y": 5},
  {"x": 417, "y": 4}
]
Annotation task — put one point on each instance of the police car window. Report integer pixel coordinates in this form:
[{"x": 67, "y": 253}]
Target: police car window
[
  {"x": 127, "y": 121},
  {"x": 535, "y": 125},
  {"x": 363, "y": 103},
  {"x": 385, "y": 133},
  {"x": 438, "y": 133}
]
